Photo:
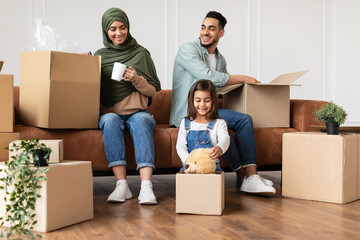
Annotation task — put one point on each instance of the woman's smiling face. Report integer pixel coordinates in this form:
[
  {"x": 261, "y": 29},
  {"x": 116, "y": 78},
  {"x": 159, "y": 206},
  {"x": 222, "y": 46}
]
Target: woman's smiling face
[{"x": 117, "y": 33}]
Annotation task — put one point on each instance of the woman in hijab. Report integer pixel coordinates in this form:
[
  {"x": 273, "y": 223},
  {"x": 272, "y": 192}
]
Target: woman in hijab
[{"x": 124, "y": 105}]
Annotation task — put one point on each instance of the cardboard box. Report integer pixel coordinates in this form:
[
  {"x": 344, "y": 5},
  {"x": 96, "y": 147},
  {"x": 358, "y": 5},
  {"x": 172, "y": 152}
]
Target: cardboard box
[
  {"x": 59, "y": 90},
  {"x": 267, "y": 103},
  {"x": 6, "y": 103},
  {"x": 57, "y": 147},
  {"x": 321, "y": 167},
  {"x": 66, "y": 198},
  {"x": 200, "y": 193},
  {"x": 5, "y": 139}
]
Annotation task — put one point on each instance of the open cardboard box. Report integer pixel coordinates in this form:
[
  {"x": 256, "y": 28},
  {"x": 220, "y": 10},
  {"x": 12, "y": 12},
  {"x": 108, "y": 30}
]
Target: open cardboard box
[
  {"x": 267, "y": 103},
  {"x": 59, "y": 90}
]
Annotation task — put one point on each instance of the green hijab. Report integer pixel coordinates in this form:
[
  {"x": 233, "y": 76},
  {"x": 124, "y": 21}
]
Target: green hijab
[{"x": 129, "y": 53}]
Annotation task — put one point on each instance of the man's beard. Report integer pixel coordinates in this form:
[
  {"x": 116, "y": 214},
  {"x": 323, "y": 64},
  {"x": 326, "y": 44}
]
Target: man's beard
[{"x": 209, "y": 44}]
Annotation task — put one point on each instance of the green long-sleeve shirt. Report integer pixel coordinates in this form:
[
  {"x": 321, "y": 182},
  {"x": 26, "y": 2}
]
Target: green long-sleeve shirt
[{"x": 191, "y": 64}]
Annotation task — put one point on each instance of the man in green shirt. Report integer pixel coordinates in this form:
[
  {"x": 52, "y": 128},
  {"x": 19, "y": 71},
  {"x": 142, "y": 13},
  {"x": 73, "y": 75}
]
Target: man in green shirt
[{"x": 202, "y": 60}]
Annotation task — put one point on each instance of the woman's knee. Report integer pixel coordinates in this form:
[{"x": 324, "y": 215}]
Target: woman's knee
[
  {"x": 110, "y": 120},
  {"x": 143, "y": 119}
]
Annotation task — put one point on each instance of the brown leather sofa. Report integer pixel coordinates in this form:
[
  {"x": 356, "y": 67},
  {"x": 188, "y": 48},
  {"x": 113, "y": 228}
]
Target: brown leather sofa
[{"x": 87, "y": 144}]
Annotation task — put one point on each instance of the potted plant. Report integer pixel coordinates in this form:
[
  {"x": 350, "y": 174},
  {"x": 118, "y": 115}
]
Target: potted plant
[
  {"x": 20, "y": 180},
  {"x": 333, "y": 116}
]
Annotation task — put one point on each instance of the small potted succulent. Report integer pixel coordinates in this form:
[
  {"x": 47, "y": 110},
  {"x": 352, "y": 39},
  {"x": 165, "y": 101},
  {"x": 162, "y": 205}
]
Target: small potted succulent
[
  {"x": 333, "y": 116},
  {"x": 20, "y": 180}
]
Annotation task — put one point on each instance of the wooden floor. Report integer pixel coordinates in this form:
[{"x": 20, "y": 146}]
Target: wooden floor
[{"x": 245, "y": 216}]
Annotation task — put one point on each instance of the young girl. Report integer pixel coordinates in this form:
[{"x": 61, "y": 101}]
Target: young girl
[{"x": 202, "y": 127}]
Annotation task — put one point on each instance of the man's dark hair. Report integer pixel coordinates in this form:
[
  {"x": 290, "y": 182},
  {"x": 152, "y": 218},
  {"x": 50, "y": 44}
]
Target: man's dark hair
[{"x": 218, "y": 16}]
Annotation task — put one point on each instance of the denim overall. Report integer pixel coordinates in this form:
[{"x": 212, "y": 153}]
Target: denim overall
[{"x": 199, "y": 139}]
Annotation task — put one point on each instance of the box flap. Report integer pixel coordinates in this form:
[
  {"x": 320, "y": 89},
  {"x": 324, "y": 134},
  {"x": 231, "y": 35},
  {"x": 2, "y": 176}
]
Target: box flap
[
  {"x": 72, "y": 67},
  {"x": 288, "y": 78},
  {"x": 226, "y": 89},
  {"x": 1, "y": 65}
]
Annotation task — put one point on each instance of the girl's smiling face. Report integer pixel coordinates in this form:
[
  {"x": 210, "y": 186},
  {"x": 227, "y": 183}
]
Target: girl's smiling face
[{"x": 202, "y": 102}]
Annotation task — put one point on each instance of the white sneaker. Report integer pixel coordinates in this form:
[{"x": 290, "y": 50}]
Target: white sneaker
[
  {"x": 121, "y": 193},
  {"x": 146, "y": 195},
  {"x": 256, "y": 185},
  {"x": 267, "y": 182}
]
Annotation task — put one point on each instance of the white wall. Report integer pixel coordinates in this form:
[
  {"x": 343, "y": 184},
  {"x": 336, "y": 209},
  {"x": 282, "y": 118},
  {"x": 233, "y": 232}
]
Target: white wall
[{"x": 263, "y": 38}]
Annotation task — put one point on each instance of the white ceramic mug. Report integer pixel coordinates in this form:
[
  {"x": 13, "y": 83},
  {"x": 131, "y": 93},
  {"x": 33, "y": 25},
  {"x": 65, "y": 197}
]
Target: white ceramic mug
[{"x": 118, "y": 71}]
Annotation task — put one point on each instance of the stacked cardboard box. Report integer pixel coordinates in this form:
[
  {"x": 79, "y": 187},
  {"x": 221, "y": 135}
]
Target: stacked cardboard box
[
  {"x": 267, "y": 103},
  {"x": 59, "y": 90},
  {"x": 56, "y": 146},
  {"x": 6, "y": 114},
  {"x": 66, "y": 197}
]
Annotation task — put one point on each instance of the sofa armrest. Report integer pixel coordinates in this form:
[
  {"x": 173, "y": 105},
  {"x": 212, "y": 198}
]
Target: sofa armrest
[{"x": 302, "y": 116}]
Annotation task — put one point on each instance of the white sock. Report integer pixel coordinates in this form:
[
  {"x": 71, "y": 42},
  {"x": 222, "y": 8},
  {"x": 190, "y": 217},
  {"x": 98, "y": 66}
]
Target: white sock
[
  {"x": 250, "y": 177},
  {"x": 121, "y": 181},
  {"x": 145, "y": 181}
]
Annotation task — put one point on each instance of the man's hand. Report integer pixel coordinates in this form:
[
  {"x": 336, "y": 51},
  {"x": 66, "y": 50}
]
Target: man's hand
[
  {"x": 248, "y": 79},
  {"x": 236, "y": 79},
  {"x": 215, "y": 152}
]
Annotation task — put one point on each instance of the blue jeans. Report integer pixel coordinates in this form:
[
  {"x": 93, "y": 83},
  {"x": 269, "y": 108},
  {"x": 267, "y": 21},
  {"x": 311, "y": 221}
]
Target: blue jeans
[
  {"x": 244, "y": 154},
  {"x": 140, "y": 126}
]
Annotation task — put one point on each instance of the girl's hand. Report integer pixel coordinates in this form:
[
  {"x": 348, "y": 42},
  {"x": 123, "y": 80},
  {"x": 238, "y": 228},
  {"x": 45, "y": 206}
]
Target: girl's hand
[
  {"x": 215, "y": 152},
  {"x": 130, "y": 75}
]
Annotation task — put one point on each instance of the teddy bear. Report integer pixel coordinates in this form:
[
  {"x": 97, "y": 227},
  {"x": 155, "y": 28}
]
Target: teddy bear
[{"x": 199, "y": 162}]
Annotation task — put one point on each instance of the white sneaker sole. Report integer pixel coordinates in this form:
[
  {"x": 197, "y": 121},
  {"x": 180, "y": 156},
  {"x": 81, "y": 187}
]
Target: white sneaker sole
[
  {"x": 148, "y": 202},
  {"x": 262, "y": 193},
  {"x": 119, "y": 200}
]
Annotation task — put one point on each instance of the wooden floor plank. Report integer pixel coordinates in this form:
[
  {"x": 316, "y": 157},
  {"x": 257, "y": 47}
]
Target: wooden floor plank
[{"x": 245, "y": 216}]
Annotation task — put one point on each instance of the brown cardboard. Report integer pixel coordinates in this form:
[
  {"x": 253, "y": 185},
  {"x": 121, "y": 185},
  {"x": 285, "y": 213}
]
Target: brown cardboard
[
  {"x": 66, "y": 198},
  {"x": 59, "y": 90},
  {"x": 267, "y": 103},
  {"x": 57, "y": 147},
  {"x": 6, "y": 103},
  {"x": 200, "y": 193},
  {"x": 321, "y": 167},
  {"x": 5, "y": 139}
]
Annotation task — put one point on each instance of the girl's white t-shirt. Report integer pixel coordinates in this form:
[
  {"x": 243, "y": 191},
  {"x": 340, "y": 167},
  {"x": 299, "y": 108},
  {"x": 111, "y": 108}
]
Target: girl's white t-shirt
[{"x": 219, "y": 136}]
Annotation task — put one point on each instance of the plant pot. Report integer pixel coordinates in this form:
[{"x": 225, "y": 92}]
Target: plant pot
[
  {"x": 39, "y": 158},
  {"x": 332, "y": 128}
]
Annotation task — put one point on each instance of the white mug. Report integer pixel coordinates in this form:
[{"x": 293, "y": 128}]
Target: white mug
[{"x": 118, "y": 71}]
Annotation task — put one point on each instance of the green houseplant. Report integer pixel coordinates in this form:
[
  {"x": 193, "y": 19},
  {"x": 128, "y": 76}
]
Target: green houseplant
[
  {"x": 20, "y": 180},
  {"x": 333, "y": 116}
]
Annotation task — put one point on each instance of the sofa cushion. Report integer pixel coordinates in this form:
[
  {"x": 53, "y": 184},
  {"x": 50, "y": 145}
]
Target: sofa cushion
[
  {"x": 88, "y": 145},
  {"x": 161, "y": 106}
]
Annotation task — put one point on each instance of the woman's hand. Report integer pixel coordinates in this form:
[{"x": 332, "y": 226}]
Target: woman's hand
[
  {"x": 130, "y": 75},
  {"x": 215, "y": 152}
]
